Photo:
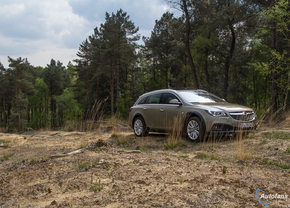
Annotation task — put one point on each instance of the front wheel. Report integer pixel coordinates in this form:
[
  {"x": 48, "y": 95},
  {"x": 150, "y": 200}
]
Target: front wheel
[
  {"x": 140, "y": 128},
  {"x": 194, "y": 129}
]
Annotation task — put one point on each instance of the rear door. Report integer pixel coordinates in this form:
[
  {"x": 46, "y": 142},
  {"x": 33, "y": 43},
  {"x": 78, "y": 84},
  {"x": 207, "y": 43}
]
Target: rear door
[{"x": 150, "y": 111}]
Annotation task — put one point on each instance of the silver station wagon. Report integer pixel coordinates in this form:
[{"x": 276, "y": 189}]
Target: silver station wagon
[{"x": 200, "y": 114}]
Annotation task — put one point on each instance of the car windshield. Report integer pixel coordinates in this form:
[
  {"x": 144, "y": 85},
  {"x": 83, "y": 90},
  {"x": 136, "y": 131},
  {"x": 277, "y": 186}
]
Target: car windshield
[{"x": 199, "y": 97}]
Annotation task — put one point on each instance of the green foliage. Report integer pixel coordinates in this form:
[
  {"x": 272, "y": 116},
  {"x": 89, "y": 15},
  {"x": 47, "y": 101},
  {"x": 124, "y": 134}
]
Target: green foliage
[
  {"x": 263, "y": 141},
  {"x": 38, "y": 104},
  {"x": 278, "y": 164},
  {"x": 224, "y": 169},
  {"x": 6, "y": 157},
  {"x": 72, "y": 109},
  {"x": 230, "y": 51},
  {"x": 183, "y": 156},
  {"x": 53, "y": 76},
  {"x": 97, "y": 187},
  {"x": 202, "y": 155},
  {"x": 84, "y": 166},
  {"x": 174, "y": 144},
  {"x": 22, "y": 77}
]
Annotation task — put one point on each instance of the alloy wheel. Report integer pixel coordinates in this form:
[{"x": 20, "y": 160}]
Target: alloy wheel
[
  {"x": 193, "y": 129},
  {"x": 138, "y": 127}
]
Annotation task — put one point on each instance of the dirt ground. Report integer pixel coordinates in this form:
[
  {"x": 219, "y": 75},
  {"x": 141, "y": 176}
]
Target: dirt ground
[{"x": 121, "y": 170}]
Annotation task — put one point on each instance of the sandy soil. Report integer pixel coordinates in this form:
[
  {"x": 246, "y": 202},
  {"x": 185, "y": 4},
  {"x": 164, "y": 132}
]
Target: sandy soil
[{"x": 125, "y": 171}]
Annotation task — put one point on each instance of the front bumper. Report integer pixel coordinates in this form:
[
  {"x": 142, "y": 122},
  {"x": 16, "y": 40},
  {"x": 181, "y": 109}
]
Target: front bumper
[{"x": 219, "y": 128}]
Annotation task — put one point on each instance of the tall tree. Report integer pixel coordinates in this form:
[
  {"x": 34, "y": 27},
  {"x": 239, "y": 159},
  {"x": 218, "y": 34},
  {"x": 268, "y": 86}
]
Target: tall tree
[
  {"x": 184, "y": 6},
  {"x": 277, "y": 15},
  {"x": 3, "y": 81},
  {"x": 53, "y": 75},
  {"x": 23, "y": 80},
  {"x": 118, "y": 34},
  {"x": 167, "y": 48}
]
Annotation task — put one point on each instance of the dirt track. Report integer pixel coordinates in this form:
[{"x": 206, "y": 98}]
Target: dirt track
[{"x": 223, "y": 173}]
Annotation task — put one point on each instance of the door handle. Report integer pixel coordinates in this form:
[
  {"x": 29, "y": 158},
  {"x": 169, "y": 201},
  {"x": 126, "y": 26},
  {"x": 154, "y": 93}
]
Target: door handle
[
  {"x": 162, "y": 110},
  {"x": 145, "y": 108}
]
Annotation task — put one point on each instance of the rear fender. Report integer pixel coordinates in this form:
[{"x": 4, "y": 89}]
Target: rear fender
[{"x": 135, "y": 116}]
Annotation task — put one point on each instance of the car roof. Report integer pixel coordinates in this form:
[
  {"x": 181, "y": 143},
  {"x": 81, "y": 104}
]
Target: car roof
[{"x": 172, "y": 90}]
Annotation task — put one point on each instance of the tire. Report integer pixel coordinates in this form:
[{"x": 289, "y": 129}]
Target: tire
[
  {"x": 139, "y": 127},
  {"x": 194, "y": 130}
]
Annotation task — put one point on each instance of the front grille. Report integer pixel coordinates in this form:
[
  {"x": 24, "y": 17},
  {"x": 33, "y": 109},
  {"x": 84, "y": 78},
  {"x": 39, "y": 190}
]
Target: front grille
[{"x": 243, "y": 115}]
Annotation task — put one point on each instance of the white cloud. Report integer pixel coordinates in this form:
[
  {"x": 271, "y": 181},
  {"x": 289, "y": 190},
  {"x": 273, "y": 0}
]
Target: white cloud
[{"x": 45, "y": 29}]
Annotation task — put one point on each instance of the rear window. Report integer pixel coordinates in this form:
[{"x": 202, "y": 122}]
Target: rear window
[
  {"x": 153, "y": 99},
  {"x": 142, "y": 101}
]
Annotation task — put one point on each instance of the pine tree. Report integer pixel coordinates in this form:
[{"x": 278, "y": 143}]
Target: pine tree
[
  {"x": 53, "y": 75},
  {"x": 23, "y": 81},
  {"x": 118, "y": 35}
]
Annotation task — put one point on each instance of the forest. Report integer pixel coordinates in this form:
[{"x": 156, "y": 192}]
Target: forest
[{"x": 236, "y": 49}]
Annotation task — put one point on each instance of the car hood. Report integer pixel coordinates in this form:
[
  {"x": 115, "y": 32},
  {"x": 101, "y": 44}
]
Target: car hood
[{"x": 225, "y": 106}]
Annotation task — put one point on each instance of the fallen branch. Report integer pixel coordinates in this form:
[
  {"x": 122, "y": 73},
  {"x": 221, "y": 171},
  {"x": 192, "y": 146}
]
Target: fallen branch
[
  {"x": 133, "y": 151},
  {"x": 130, "y": 151},
  {"x": 68, "y": 154}
]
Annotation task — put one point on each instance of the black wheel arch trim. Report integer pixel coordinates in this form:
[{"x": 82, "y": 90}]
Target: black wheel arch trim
[
  {"x": 197, "y": 114},
  {"x": 138, "y": 115}
]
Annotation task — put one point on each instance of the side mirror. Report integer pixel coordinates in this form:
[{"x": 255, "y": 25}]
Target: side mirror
[{"x": 174, "y": 101}]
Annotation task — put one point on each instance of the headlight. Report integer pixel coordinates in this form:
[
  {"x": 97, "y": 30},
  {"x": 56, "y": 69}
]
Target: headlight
[{"x": 216, "y": 113}]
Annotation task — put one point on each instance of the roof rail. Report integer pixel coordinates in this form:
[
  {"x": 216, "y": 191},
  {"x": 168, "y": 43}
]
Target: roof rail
[{"x": 184, "y": 88}]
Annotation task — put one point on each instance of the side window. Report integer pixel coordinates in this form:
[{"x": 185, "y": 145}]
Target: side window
[
  {"x": 167, "y": 97},
  {"x": 142, "y": 101},
  {"x": 153, "y": 99}
]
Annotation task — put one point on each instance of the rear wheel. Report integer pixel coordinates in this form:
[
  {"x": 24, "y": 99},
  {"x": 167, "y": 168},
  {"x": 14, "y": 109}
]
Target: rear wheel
[
  {"x": 194, "y": 129},
  {"x": 140, "y": 128}
]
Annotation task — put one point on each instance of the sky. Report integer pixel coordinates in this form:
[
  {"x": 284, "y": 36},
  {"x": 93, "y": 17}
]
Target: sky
[{"x": 41, "y": 30}]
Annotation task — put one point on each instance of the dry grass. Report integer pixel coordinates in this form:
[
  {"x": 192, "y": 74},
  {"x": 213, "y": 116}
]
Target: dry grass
[
  {"x": 154, "y": 177},
  {"x": 2, "y": 129},
  {"x": 243, "y": 149},
  {"x": 174, "y": 138},
  {"x": 46, "y": 128},
  {"x": 93, "y": 115},
  {"x": 287, "y": 120},
  {"x": 91, "y": 120},
  {"x": 117, "y": 125}
]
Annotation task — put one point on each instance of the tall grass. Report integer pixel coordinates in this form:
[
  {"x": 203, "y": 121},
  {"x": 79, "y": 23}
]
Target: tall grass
[
  {"x": 93, "y": 115},
  {"x": 174, "y": 138},
  {"x": 2, "y": 129},
  {"x": 243, "y": 150},
  {"x": 90, "y": 120}
]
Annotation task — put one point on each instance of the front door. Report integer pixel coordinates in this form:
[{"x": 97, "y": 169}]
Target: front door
[{"x": 170, "y": 114}]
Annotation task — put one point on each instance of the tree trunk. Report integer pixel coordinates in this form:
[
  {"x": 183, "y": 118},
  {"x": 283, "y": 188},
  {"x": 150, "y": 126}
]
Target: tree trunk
[
  {"x": 118, "y": 78},
  {"x": 206, "y": 71},
  {"x": 28, "y": 113},
  {"x": 255, "y": 91},
  {"x": 228, "y": 60},
  {"x": 166, "y": 77},
  {"x": 112, "y": 89},
  {"x": 51, "y": 111},
  {"x": 4, "y": 105},
  {"x": 274, "y": 81},
  {"x": 88, "y": 85},
  {"x": 187, "y": 45}
]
